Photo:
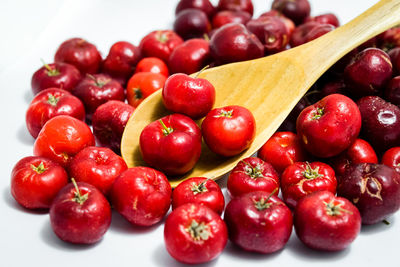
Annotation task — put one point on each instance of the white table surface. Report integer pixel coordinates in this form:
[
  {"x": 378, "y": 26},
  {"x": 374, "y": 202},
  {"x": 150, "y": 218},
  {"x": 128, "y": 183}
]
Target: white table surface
[{"x": 30, "y": 30}]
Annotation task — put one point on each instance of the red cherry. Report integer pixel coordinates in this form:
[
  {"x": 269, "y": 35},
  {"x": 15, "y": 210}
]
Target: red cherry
[
  {"x": 191, "y": 23},
  {"x": 61, "y": 138},
  {"x": 35, "y": 182},
  {"x": 141, "y": 195},
  {"x": 50, "y": 103},
  {"x": 199, "y": 190},
  {"x": 121, "y": 61},
  {"x": 228, "y": 16},
  {"x": 190, "y": 57},
  {"x": 236, "y": 5},
  {"x": 229, "y": 130},
  {"x": 97, "y": 166},
  {"x": 296, "y": 10},
  {"x": 194, "y": 234},
  {"x": 391, "y": 158},
  {"x": 303, "y": 178},
  {"x": 143, "y": 84},
  {"x": 204, "y": 5},
  {"x": 258, "y": 222},
  {"x": 368, "y": 72},
  {"x": 325, "y": 222},
  {"x": 97, "y": 89},
  {"x": 358, "y": 152},
  {"x": 328, "y": 18},
  {"x": 234, "y": 42},
  {"x": 193, "y": 97},
  {"x": 373, "y": 188},
  {"x": 81, "y": 54},
  {"x": 80, "y": 214},
  {"x": 160, "y": 44},
  {"x": 56, "y": 75},
  {"x": 282, "y": 150},
  {"x": 271, "y": 31},
  {"x": 380, "y": 122},
  {"x": 153, "y": 65},
  {"x": 109, "y": 121},
  {"x": 171, "y": 144},
  {"x": 329, "y": 126},
  {"x": 250, "y": 175}
]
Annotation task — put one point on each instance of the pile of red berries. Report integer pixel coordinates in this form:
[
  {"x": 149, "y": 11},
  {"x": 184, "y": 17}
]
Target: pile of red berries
[{"x": 330, "y": 144}]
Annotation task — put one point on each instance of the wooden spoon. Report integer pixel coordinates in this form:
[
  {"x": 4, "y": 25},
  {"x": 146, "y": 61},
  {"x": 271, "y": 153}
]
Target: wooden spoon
[{"x": 269, "y": 87}]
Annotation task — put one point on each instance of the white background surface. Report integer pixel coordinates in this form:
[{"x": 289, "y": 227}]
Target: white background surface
[{"x": 31, "y": 30}]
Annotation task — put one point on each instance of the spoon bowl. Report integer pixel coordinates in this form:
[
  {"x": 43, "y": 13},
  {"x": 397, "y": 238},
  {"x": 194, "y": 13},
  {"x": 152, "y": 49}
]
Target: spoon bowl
[{"x": 269, "y": 87}]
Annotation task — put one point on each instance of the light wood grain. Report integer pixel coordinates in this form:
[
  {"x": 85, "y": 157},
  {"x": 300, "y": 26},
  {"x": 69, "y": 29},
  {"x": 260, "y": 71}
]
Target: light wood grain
[{"x": 269, "y": 87}]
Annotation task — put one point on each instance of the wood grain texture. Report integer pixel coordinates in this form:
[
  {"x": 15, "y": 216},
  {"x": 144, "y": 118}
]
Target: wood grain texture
[{"x": 269, "y": 87}]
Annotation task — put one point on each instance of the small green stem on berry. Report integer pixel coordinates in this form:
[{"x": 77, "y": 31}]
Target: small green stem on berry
[
  {"x": 335, "y": 210},
  {"x": 90, "y": 76},
  {"x": 65, "y": 156},
  {"x": 39, "y": 168},
  {"x": 313, "y": 92},
  {"x": 206, "y": 37},
  {"x": 225, "y": 113},
  {"x": 97, "y": 82},
  {"x": 253, "y": 172},
  {"x": 199, "y": 188},
  {"x": 198, "y": 231},
  {"x": 138, "y": 93},
  {"x": 310, "y": 93},
  {"x": 166, "y": 130},
  {"x": 318, "y": 114},
  {"x": 388, "y": 46},
  {"x": 78, "y": 198},
  {"x": 271, "y": 39},
  {"x": 311, "y": 173},
  {"x": 386, "y": 222},
  {"x": 162, "y": 37},
  {"x": 52, "y": 100},
  {"x": 263, "y": 204},
  {"x": 50, "y": 71},
  {"x": 203, "y": 69}
]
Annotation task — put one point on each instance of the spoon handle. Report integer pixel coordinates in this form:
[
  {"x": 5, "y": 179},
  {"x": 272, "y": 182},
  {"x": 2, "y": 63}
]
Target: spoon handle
[{"x": 326, "y": 50}]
